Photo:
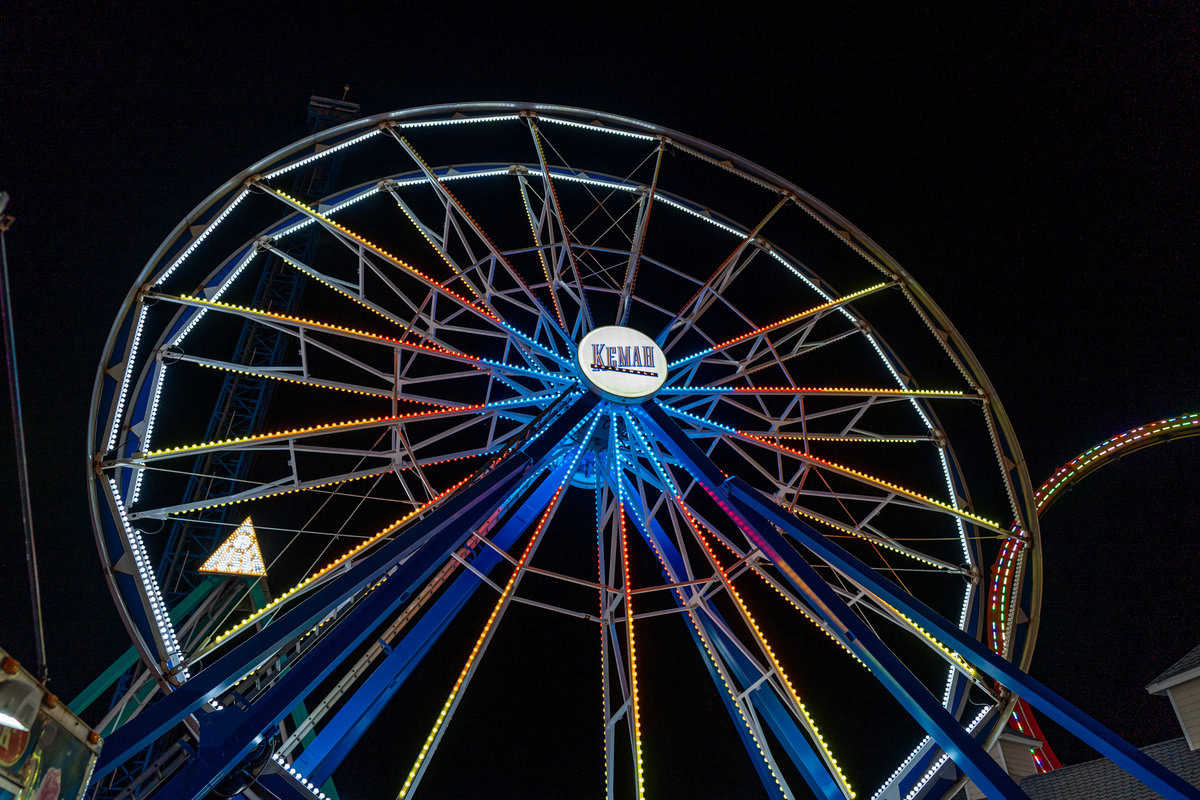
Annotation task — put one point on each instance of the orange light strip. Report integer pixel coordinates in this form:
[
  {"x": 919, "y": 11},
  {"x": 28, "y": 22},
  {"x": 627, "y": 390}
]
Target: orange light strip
[
  {"x": 871, "y": 479},
  {"x": 781, "y": 322},
  {"x": 501, "y": 603},
  {"x": 328, "y": 427},
  {"x": 337, "y": 562},
  {"x": 379, "y": 251},
  {"x": 811, "y": 724}
]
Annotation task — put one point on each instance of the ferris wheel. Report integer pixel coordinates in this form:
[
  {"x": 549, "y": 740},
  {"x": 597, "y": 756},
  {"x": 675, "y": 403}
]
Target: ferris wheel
[{"x": 444, "y": 378}]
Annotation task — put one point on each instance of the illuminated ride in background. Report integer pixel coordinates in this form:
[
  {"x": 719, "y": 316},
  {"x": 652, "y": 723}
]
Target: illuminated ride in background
[
  {"x": 496, "y": 360},
  {"x": 1006, "y": 570}
]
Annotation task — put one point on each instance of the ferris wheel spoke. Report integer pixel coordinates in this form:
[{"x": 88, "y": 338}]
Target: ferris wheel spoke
[
  {"x": 715, "y": 656},
  {"x": 449, "y": 199},
  {"x": 300, "y": 324},
  {"x": 534, "y": 227},
  {"x": 710, "y": 291},
  {"x": 780, "y": 323},
  {"x": 565, "y": 237},
  {"x": 831, "y": 466},
  {"x": 295, "y": 434},
  {"x": 440, "y": 244},
  {"x": 639, "y": 240},
  {"x": 486, "y": 635}
]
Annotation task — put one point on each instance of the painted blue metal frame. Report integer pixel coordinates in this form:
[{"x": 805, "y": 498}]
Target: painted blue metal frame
[
  {"x": 339, "y": 735},
  {"x": 230, "y": 734},
  {"x": 758, "y": 519}
]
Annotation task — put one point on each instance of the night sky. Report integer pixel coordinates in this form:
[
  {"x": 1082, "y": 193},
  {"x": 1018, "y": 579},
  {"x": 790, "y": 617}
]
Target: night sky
[{"x": 1034, "y": 170}]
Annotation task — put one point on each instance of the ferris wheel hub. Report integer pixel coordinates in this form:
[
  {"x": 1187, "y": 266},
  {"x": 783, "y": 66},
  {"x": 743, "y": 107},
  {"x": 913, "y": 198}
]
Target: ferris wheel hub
[{"x": 622, "y": 364}]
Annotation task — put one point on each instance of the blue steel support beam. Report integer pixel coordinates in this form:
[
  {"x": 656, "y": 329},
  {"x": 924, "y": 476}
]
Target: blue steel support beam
[
  {"x": 442, "y": 531},
  {"x": 884, "y": 665},
  {"x": 1135, "y": 762},
  {"x": 337, "y": 737},
  {"x": 768, "y": 705},
  {"x": 233, "y": 734}
]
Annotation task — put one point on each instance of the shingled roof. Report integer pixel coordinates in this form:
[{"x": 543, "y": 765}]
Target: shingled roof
[
  {"x": 1104, "y": 779},
  {"x": 1184, "y": 669}
]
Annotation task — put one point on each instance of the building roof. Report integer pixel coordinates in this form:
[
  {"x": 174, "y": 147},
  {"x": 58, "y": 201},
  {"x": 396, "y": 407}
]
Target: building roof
[
  {"x": 1103, "y": 778},
  {"x": 1182, "y": 670}
]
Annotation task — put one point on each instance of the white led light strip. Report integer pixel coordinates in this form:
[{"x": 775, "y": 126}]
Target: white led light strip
[{"x": 158, "y": 608}]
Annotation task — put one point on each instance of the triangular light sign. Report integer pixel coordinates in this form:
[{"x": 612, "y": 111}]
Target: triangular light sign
[{"x": 237, "y": 555}]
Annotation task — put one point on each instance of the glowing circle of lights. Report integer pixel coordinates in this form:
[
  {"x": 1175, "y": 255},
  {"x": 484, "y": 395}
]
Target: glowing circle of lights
[{"x": 417, "y": 295}]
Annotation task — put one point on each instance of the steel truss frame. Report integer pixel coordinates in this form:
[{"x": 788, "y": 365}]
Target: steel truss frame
[{"x": 503, "y": 317}]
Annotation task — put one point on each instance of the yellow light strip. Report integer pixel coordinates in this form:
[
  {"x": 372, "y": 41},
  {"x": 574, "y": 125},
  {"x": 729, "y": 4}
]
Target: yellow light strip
[
  {"x": 781, "y": 322},
  {"x": 355, "y": 298},
  {"x": 501, "y": 603},
  {"x": 435, "y": 349},
  {"x": 821, "y": 626},
  {"x": 427, "y": 279},
  {"x": 635, "y": 705},
  {"x": 312, "y": 486},
  {"x": 322, "y": 428},
  {"x": 891, "y": 487},
  {"x": 839, "y": 776},
  {"x": 542, "y": 257},
  {"x": 718, "y": 666},
  {"x": 846, "y": 529},
  {"x": 436, "y": 248},
  {"x": 337, "y": 562}
]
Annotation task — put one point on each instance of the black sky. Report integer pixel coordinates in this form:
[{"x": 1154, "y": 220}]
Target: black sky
[{"x": 1035, "y": 170}]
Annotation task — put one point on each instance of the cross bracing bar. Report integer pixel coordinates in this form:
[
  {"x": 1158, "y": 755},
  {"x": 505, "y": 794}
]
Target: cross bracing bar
[
  {"x": 422, "y": 546},
  {"x": 883, "y": 664},
  {"x": 758, "y": 518}
]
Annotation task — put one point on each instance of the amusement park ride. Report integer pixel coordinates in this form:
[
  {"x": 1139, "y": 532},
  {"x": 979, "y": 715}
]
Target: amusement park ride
[{"x": 421, "y": 372}]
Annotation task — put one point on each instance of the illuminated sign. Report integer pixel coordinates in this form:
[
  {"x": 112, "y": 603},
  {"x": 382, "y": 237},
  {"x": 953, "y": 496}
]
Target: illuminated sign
[{"x": 622, "y": 362}]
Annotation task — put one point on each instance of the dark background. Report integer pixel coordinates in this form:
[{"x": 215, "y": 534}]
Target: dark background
[{"x": 1035, "y": 170}]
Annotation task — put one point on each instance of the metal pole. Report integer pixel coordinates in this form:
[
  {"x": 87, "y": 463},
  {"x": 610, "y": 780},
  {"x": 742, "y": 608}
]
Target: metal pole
[{"x": 14, "y": 401}]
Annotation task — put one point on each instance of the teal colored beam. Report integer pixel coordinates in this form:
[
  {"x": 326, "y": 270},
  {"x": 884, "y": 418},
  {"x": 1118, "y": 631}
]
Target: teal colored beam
[{"x": 105, "y": 680}]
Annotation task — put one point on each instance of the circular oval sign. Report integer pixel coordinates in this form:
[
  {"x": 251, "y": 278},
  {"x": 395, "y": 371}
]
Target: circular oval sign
[{"x": 622, "y": 362}]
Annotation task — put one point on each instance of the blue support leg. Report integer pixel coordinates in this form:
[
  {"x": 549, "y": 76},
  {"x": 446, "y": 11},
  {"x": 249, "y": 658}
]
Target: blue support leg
[
  {"x": 1135, "y": 762},
  {"x": 346, "y": 727},
  {"x": 884, "y": 665},
  {"x": 423, "y": 545}
]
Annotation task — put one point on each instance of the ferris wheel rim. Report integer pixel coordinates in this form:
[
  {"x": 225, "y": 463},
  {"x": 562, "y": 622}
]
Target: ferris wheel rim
[{"x": 233, "y": 184}]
